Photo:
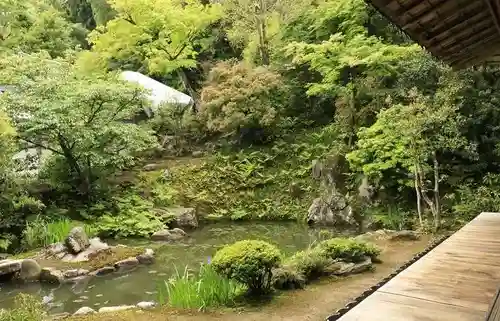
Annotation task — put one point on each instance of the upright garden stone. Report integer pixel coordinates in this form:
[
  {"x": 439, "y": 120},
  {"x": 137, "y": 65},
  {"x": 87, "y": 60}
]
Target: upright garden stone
[
  {"x": 30, "y": 271},
  {"x": 77, "y": 240}
]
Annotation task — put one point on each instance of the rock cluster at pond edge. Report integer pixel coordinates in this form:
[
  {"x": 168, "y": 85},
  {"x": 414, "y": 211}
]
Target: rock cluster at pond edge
[{"x": 76, "y": 248}]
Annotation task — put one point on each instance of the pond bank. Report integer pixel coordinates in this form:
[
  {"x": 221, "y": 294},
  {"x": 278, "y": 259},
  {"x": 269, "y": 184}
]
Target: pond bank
[{"x": 316, "y": 302}]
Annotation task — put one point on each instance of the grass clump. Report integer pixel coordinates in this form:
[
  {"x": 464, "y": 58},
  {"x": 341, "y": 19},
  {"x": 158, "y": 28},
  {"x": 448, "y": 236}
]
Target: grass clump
[
  {"x": 40, "y": 233},
  {"x": 313, "y": 262},
  {"x": 199, "y": 291},
  {"x": 248, "y": 262},
  {"x": 310, "y": 263},
  {"x": 349, "y": 250},
  {"x": 287, "y": 277},
  {"x": 27, "y": 308}
]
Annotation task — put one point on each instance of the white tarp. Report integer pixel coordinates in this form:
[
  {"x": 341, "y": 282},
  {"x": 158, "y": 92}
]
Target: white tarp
[{"x": 159, "y": 93}]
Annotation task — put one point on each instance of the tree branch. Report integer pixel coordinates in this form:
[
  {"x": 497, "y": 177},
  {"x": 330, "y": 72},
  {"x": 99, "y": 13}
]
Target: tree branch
[{"x": 40, "y": 145}]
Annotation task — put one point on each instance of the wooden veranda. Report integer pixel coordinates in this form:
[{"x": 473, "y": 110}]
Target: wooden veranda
[
  {"x": 455, "y": 281},
  {"x": 459, "y": 32}
]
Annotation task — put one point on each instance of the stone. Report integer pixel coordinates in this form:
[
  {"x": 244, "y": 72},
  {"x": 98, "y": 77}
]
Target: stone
[
  {"x": 151, "y": 167},
  {"x": 116, "y": 308},
  {"x": 146, "y": 305},
  {"x": 185, "y": 217},
  {"x": 51, "y": 275},
  {"x": 84, "y": 311},
  {"x": 95, "y": 247},
  {"x": 103, "y": 271},
  {"x": 169, "y": 235},
  {"x": 331, "y": 210},
  {"x": 10, "y": 267},
  {"x": 342, "y": 268},
  {"x": 405, "y": 235},
  {"x": 3, "y": 256},
  {"x": 77, "y": 240},
  {"x": 57, "y": 250},
  {"x": 60, "y": 316},
  {"x": 197, "y": 154},
  {"x": 147, "y": 257},
  {"x": 30, "y": 271},
  {"x": 127, "y": 264},
  {"x": 71, "y": 274}
]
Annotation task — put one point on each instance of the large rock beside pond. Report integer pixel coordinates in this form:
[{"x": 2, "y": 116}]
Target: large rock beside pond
[
  {"x": 30, "y": 271},
  {"x": 332, "y": 210},
  {"x": 77, "y": 240},
  {"x": 10, "y": 267},
  {"x": 51, "y": 275},
  {"x": 185, "y": 217},
  {"x": 147, "y": 258},
  {"x": 84, "y": 311},
  {"x": 95, "y": 247},
  {"x": 127, "y": 264},
  {"x": 169, "y": 235},
  {"x": 342, "y": 268}
]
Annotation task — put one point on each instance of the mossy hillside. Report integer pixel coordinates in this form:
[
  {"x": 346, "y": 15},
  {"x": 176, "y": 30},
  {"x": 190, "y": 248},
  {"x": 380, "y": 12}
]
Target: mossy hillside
[{"x": 271, "y": 183}]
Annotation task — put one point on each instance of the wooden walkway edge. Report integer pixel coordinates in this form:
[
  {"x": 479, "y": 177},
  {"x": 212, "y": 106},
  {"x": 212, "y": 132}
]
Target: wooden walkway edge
[{"x": 456, "y": 281}]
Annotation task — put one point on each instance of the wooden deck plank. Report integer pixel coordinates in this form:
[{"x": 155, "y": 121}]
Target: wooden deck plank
[{"x": 456, "y": 281}]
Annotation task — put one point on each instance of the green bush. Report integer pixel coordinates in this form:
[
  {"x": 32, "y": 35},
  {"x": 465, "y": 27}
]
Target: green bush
[
  {"x": 132, "y": 216},
  {"x": 248, "y": 262},
  {"x": 286, "y": 278},
  {"x": 27, "y": 308},
  {"x": 199, "y": 291},
  {"x": 310, "y": 263},
  {"x": 40, "y": 233},
  {"x": 242, "y": 101},
  {"x": 347, "y": 249}
]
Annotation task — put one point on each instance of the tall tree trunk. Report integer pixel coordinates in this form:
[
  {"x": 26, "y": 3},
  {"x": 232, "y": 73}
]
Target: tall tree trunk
[
  {"x": 437, "y": 198},
  {"x": 262, "y": 31},
  {"x": 187, "y": 84},
  {"x": 419, "y": 199}
]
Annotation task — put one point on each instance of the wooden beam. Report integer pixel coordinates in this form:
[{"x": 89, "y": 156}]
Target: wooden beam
[
  {"x": 431, "y": 13},
  {"x": 463, "y": 25},
  {"x": 473, "y": 48},
  {"x": 494, "y": 15},
  {"x": 469, "y": 39},
  {"x": 462, "y": 13}
]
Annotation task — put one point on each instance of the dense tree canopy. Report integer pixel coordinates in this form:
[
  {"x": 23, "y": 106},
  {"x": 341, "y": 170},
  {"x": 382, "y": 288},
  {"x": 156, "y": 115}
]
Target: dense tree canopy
[{"x": 284, "y": 83}]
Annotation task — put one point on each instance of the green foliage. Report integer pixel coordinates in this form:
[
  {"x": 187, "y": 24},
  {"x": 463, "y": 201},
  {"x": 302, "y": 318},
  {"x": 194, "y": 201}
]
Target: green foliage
[
  {"x": 161, "y": 35},
  {"x": 348, "y": 249},
  {"x": 309, "y": 263},
  {"x": 40, "y": 233},
  {"x": 27, "y": 308},
  {"x": 130, "y": 216},
  {"x": 33, "y": 26},
  {"x": 241, "y": 100},
  {"x": 248, "y": 262},
  {"x": 473, "y": 200},
  {"x": 203, "y": 290},
  {"x": 286, "y": 278},
  {"x": 256, "y": 183},
  {"x": 81, "y": 120}
]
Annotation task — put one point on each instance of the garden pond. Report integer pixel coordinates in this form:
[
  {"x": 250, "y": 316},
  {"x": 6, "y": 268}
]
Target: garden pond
[{"x": 141, "y": 284}]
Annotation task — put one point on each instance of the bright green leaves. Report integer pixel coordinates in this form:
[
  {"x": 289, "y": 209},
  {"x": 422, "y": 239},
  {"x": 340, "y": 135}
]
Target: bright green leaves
[
  {"x": 80, "y": 119},
  {"x": 35, "y": 25},
  {"x": 162, "y": 35}
]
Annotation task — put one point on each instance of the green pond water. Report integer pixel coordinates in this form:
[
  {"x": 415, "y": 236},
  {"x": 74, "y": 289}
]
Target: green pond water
[{"x": 141, "y": 284}]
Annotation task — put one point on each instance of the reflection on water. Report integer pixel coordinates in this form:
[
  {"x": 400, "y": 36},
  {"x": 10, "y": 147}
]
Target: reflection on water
[{"x": 140, "y": 285}]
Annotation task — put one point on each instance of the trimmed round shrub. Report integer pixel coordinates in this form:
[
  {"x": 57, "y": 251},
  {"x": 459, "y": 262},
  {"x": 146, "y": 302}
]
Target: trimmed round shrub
[
  {"x": 348, "y": 249},
  {"x": 248, "y": 262}
]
